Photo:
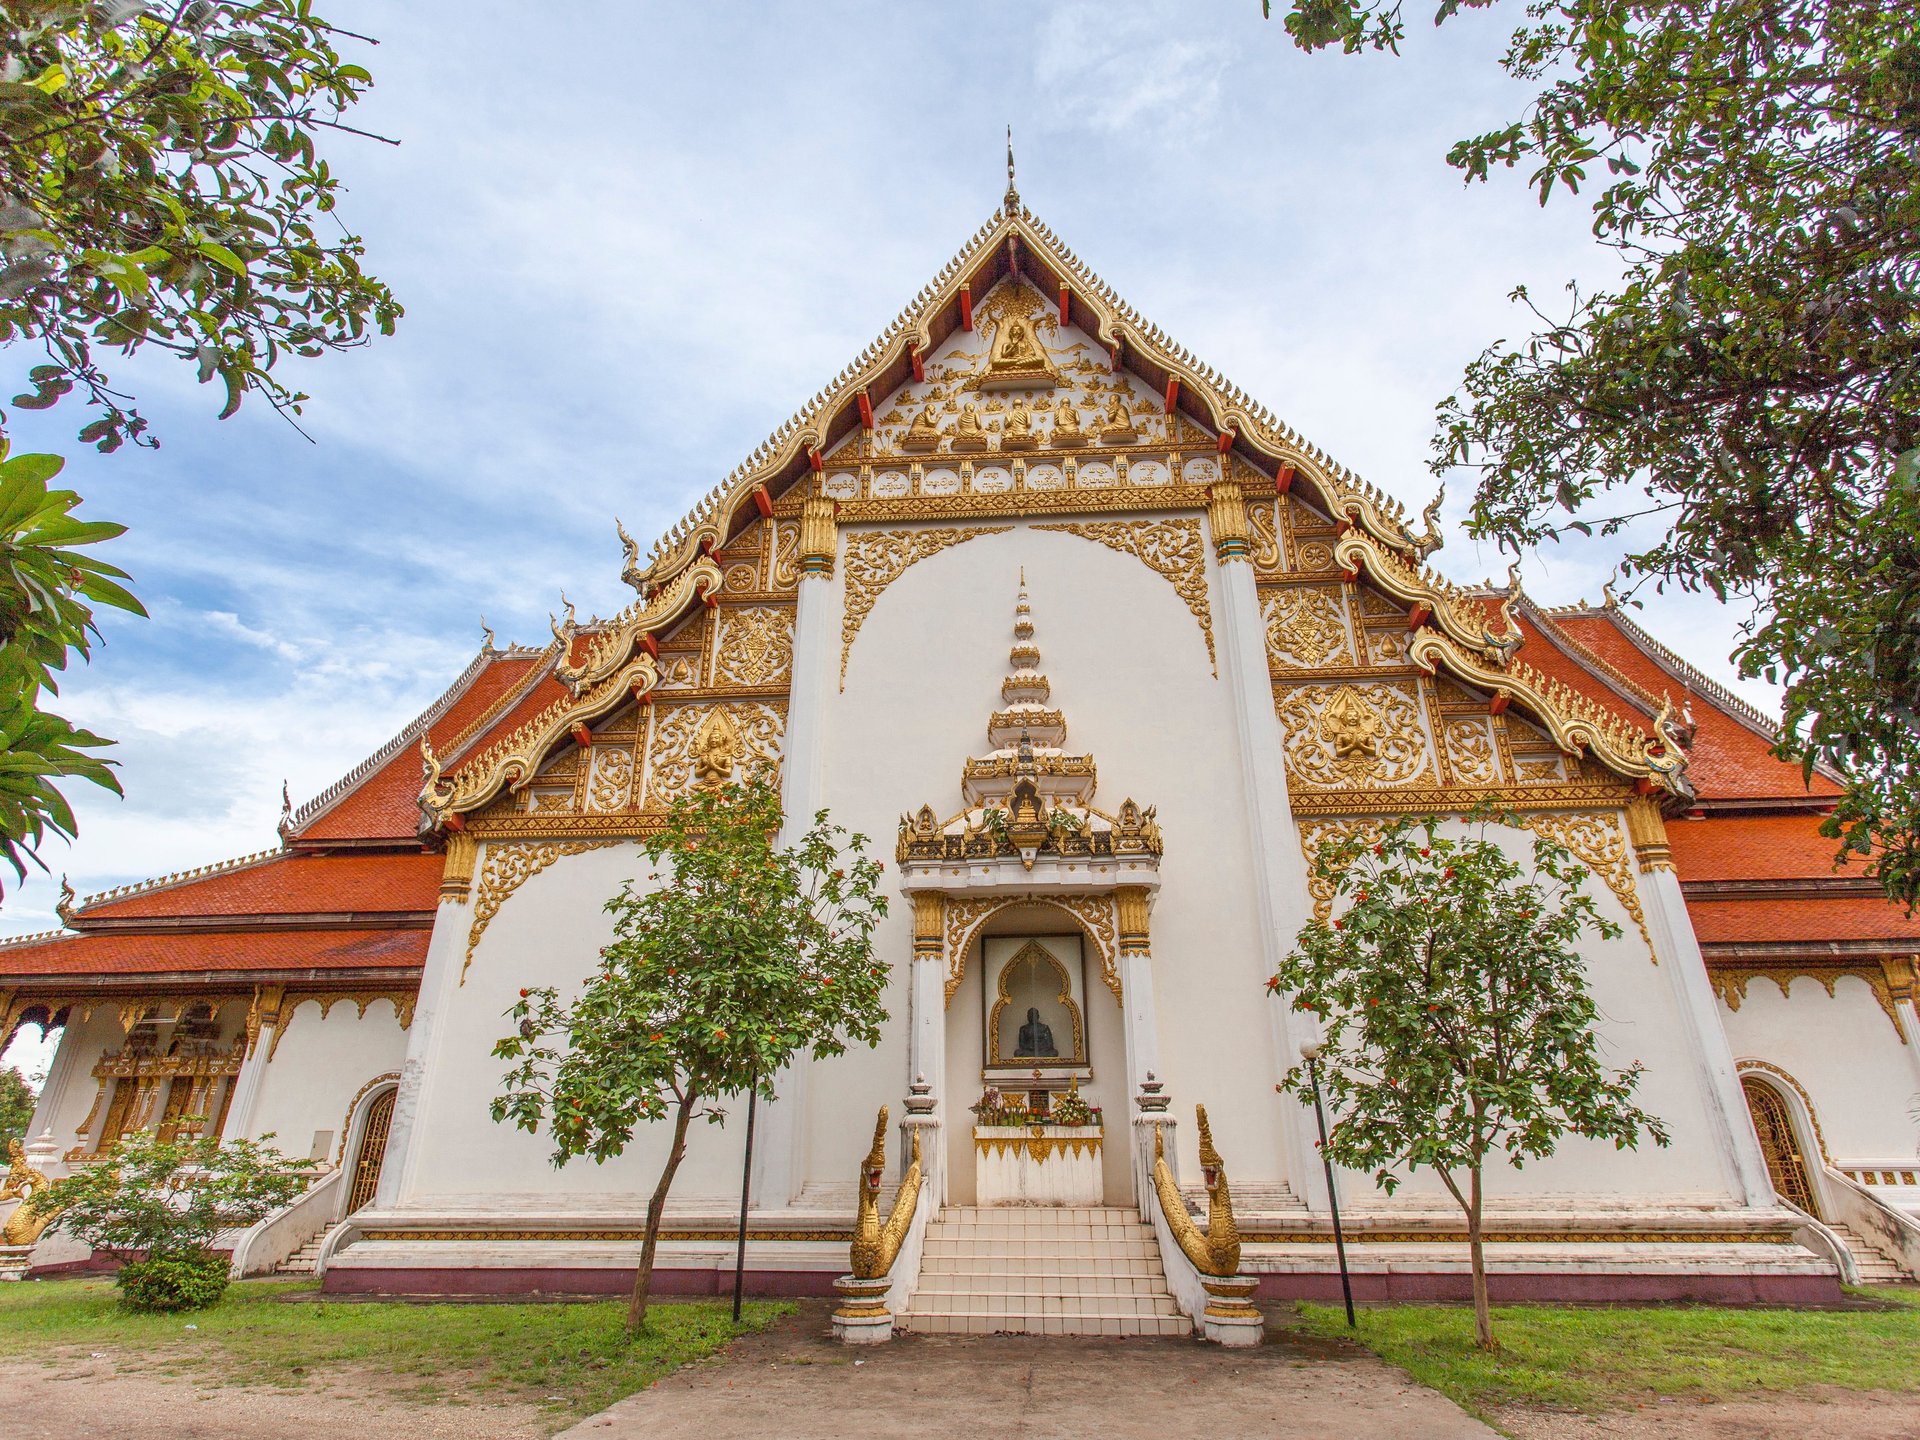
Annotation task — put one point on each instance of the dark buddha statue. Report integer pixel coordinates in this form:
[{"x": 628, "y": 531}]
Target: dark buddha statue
[{"x": 1036, "y": 1036}]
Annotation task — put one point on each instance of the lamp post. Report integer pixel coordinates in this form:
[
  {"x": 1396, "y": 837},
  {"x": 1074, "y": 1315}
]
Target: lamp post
[
  {"x": 746, "y": 1188},
  {"x": 1310, "y": 1052}
]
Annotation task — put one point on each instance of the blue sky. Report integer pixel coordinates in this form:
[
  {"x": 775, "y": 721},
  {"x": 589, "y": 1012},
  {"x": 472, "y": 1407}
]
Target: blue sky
[{"x": 633, "y": 238}]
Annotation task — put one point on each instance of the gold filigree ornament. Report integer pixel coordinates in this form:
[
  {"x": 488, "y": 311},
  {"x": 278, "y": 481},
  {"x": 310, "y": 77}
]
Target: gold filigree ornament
[
  {"x": 1470, "y": 753},
  {"x": 876, "y": 559},
  {"x": 700, "y": 744},
  {"x": 1350, "y": 736},
  {"x": 1173, "y": 549},
  {"x": 755, "y": 647},
  {"x": 1314, "y": 834},
  {"x": 1596, "y": 839},
  {"x": 1306, "y": 627}
]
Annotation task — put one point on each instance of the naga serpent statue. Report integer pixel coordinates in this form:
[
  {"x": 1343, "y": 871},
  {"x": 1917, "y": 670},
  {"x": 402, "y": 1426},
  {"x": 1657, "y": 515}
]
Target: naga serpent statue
[
  {"x": 23, "y": 1182},
  {"x": 875, "y": 1245},
  {"x": 1216, "y": 1249}
]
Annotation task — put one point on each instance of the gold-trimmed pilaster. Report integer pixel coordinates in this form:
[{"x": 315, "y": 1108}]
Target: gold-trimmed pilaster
[
  {"x": 818, "y": 536},
  {"x": 1647, "y": 829},
  {"x": 456, "y": 880},
  {"x": 929, "y": 924},
  {"x": 1227, "y": 517}
]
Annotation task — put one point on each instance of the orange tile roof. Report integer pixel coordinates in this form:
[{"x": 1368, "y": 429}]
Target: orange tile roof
[
  {"x": 382, "y": 805},
  {"x": 175, "y": 953},
  {"x": 290, "y": 884},
  {"x": 1730, "y": 760},
  {"x": 1755, "y": 847},
  {"x": 1803, "y": 921}
]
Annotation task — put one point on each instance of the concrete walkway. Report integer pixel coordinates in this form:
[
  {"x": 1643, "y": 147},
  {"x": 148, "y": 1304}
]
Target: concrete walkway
[{"x": 794, "y": 1382}]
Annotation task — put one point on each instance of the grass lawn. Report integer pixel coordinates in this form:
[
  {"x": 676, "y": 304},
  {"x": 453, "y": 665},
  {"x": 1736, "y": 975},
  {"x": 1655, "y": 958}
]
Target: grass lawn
[
  {"x": 568, "y": 1359},
  {"x": 1594, "y": 1359}
]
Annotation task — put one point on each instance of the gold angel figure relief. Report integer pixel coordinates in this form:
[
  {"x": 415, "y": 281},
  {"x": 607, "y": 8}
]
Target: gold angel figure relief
[
  {"x": 1352, "y": 727},
  {"x": 717, "y": 749}
]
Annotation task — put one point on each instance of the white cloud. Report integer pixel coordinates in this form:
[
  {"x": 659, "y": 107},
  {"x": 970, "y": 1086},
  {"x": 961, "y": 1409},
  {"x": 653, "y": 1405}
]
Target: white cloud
[{"x": 1147, "y": 72}]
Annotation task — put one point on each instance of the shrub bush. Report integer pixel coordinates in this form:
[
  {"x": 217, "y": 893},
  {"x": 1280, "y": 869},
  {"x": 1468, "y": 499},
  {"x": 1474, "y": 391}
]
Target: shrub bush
[{"x": 190, "y": 1281}]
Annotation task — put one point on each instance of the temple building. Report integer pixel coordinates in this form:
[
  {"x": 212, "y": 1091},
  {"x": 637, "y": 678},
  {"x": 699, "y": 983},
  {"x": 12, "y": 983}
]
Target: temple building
[{"x": 1110, "y": 649}]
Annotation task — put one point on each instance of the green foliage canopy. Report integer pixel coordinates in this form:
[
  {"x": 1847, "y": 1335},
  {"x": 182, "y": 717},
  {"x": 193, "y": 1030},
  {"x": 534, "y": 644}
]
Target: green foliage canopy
[
  {"x": 1753, "y": 379},
  {"x": 16, "y": 1106},
  {"x": 46, "y": 582},
  {"x": 157, "y": 1197},
  {"x": 161, "y": 185},
  {"x": 1452, "y": 999}
]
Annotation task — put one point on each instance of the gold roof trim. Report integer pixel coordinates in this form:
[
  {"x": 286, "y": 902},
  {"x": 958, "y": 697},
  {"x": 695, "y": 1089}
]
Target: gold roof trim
[
  {"x": 1576, "y": 723},
  {"x": 1231, "y": 408}
]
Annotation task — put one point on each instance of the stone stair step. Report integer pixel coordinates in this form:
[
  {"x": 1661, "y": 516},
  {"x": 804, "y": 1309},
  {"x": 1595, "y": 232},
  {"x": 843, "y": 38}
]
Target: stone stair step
[{"x": 1116, "y": 1326}]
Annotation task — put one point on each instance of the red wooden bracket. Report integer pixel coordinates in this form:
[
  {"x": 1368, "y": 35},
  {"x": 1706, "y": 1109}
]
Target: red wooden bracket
[
  {"x": 1498, "y": 704},
  {"x": 1419, "y": 615},
  {"x": 1350, "y": 574},
  {"x": 763, "y": 502},
  {"x": 650, "y": 645},
  {"x": 455, "y": 821},
  {"x": 815, "y": 460},
  {"x": 865, "y": 402},
  {"x": 1283, "y": 481},
  {"x": 708, "y": 598},
  {"x": 966, "y": 307},
  {"x": 1644, "y": 786},
  {"x": 1065, "y": 296},
  {"x": 1226, "y": 441},
  {"x": 1113, "y": 356},
  {"x": 1173, "y": 393},
  {"x": 582, "y": 735},
  {"x": 706, "y": 546},
  {"x": 919, "y": 363}
]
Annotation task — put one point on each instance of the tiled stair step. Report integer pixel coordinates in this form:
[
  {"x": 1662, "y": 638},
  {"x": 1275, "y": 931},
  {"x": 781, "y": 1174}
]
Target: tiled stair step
[
  {"x": 1118, "y": 1326},
  {"x": 1076, "y": 1287},
  {"x": 1020, "y": 1302},
  {"x": 1874, "y": 1268}
]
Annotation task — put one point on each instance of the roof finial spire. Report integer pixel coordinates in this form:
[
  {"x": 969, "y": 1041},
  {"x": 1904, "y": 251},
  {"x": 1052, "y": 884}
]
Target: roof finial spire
[{"x": 1013, "y": 194}]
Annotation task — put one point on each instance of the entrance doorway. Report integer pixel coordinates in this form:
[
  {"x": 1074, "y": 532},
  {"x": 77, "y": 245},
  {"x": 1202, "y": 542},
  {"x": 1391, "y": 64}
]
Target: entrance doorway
[
  {"x": 372, "y": 1150},
  {"x": 1786, "y": 1164}
]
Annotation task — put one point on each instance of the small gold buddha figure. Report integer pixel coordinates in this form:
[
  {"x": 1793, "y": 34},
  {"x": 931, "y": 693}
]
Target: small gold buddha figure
[
  {"x": 1015, "y": 348},
  {"x": 1066, "y": 424},
  {"x": 924, "y": 433},
  {"x": 968, "y": 433},
  {"x": 1018, "y": 431},
  {"x": 1118, "y": 422}
]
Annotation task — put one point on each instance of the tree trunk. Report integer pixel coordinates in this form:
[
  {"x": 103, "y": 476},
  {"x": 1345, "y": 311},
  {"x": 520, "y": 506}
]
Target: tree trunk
[
  {"x": 656, "y": 1207},
  {"x": 1482, "y": 1319}
]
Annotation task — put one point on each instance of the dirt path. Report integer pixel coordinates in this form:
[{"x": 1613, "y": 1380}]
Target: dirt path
[
  {"x": 91, "y": 1398},
  {"x": 794, "y": 1383},
  {"x": 1857, "y": 1414}
]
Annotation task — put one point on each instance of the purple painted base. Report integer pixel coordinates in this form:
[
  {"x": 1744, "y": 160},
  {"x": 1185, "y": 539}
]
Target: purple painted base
[
  {"x": 562, "y": 1280},
  {"x": 1412, "y": 1289}
]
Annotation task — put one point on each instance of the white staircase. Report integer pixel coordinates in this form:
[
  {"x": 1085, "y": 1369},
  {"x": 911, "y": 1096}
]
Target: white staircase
[
  {"x": 1875, "y": 1268},
  {"x": 307, "y": 1258},
  {"x": 1041, "y": 1270}
]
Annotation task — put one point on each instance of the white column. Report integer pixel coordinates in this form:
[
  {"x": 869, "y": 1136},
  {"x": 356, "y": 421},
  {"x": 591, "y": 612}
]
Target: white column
[
  {"x": 1741, "y": 1162},
  {"x": 1131, "y": 904},
  {"x": 247, "y": 1085},
  {"x": 53, "y": 1093},
  {"x": 927, "y": 1017},
  {"x": 439, "y": 986},
  {"x": 780, "y": 1148},
  {"x": 1281, "y": 901}
]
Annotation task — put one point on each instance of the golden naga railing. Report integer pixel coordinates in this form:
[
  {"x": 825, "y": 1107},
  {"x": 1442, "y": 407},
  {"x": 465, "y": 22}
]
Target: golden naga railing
[
  {"x": 23, "y": 1182},
  {"x": 875, "y": 1246},
  {"x": 1216, "y": 1249}
]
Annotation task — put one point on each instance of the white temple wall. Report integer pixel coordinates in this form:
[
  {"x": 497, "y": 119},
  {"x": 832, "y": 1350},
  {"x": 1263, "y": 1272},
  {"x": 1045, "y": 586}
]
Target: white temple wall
[
  {"x": 1843, "y": 1052},
  {"x": 320, "y": 1066},
  {"x": 549, "y": 932},
  {"x": 1639, "y": 1020},
  {"x": 1129, "y": 669},
  {"x": 70, "y": 1084}
]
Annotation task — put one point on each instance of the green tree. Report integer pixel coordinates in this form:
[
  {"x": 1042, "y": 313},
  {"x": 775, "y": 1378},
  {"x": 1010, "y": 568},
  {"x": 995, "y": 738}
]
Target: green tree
[
  {"x": 161, "y": 186},
  {"x": 1454, "y": 1008},
  {"x": 45, "y": 584},
  {"x": 158, "y": 1204},
  {"x": 16, "y": 1106},
  {"x": 1753, "y": 378},
  {"x": 738, "y": 956}
]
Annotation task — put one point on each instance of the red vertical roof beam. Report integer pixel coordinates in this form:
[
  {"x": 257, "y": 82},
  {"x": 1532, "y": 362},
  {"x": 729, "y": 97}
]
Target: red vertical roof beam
[
  {"x": 1283, "y": 480},
  {"x": 919, "y": 363},
  {"x": 865, "y": 402},
  {"x": 966, "y": 307},
  {"x": 1173, "y": 393},
  {"x": 1066, "y": 298}
]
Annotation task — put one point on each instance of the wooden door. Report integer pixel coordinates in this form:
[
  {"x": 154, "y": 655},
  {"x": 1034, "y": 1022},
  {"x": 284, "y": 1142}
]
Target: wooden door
[{"x": 373, "y": 1149}]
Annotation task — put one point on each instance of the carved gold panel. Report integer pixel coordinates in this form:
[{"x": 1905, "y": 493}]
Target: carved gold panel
[
  {"x": 1470, "y": 751},
  {"x": 610, "y": 783},
  {"x": 1307, "y": 628},
  {"x": 1352, "y": 736},
  {"x": 704, "y": 744},
  {"x": 754, "y": 647}
]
